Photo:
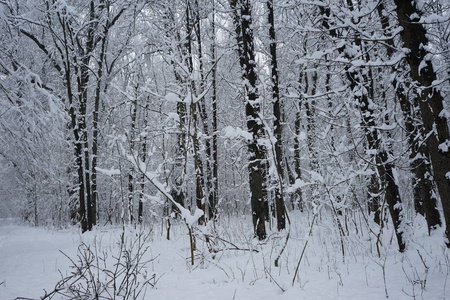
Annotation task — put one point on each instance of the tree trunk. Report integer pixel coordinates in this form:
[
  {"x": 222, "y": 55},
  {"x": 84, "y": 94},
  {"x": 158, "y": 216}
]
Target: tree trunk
[
  {"x": 211, "y": 194},
  {"x": 277, "y": 123},
  {"x": 193, "y": 25},
  {"x": 82, "y": 217},
  {"x": 430, "y": 101},
  {"x": 425, "y": 202},
  {"x": 214, "y": 189},
  {"x": 132, "y": 137},
  {"x": 383, "y": 167},
  {"x": 144, "y": 159},
  {"x": 297, "y": 155},
  {"x": 257, "y": 166},
  {"x": 178, "y": 189}
]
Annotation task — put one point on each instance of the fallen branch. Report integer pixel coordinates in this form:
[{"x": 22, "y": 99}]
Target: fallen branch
[{"x": 228, "y": 242}]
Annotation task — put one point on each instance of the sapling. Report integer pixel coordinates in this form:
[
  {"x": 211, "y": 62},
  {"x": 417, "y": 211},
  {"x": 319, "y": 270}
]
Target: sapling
[
  {"x": 101, "y": 275},
  {"x": 186, "y": 215}
]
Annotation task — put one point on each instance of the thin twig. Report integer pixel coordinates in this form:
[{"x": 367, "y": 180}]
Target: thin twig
[
  {"x": 268, "y": 273},
  {"x": 303, "y": 251}
]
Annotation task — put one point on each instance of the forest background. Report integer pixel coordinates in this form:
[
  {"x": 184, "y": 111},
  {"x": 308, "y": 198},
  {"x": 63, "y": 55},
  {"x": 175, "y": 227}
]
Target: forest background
[{"x": 194, "y": 112}]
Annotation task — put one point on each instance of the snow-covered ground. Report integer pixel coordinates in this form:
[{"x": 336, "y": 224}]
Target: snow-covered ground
[{"x": 33, "y": 259}]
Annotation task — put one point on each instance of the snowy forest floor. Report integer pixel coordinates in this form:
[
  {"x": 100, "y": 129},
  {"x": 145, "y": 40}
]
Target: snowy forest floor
[{"x": 35, "y": 259}]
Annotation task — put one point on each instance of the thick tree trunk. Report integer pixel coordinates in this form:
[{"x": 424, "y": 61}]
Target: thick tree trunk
[
  {"x": 430, "y": 101},
  {"x": 95, "y": 129},
  {"x": 425, "y": 201},
  {"x": 82, "y": 217},
  {"x": 83, "y": 71},
  {"x": 78, "y": 148},
  {"x": 82, "y": 81},
  {"x": 257, "y": 166}
]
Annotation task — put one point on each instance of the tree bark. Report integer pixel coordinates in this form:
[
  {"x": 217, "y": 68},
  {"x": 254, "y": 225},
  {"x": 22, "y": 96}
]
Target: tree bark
[
  {"x": 193, "y": 26},
  {"x": 430, "y": 101},
  {"x": 214, "y": 191},
  {"x": 257, "y": 166},
  {"x": 297, "y": 155},
  {"x": 277, "y": 123},
  {"x": 425, "y": 202}
]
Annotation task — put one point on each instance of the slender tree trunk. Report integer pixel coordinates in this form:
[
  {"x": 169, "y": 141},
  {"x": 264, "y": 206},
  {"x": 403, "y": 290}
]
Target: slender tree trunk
[
  {"x": 177, "y": 182},
  {"x": 297, "y": 155},
  {"x": 95, "y": 128},
  {"x": 209, "y": 186},
  {"x": 178, "y": 192},
  {"x": 214, "y": 190},
  {"x": 199, "y": 178},
  {"x": 384, "y": 168},
  {"x": 144, "y": 159},
  {"x": 277, "y": 123},
  {"x": 132, "y": 137},
  {"x": 193, "y": 26}
]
